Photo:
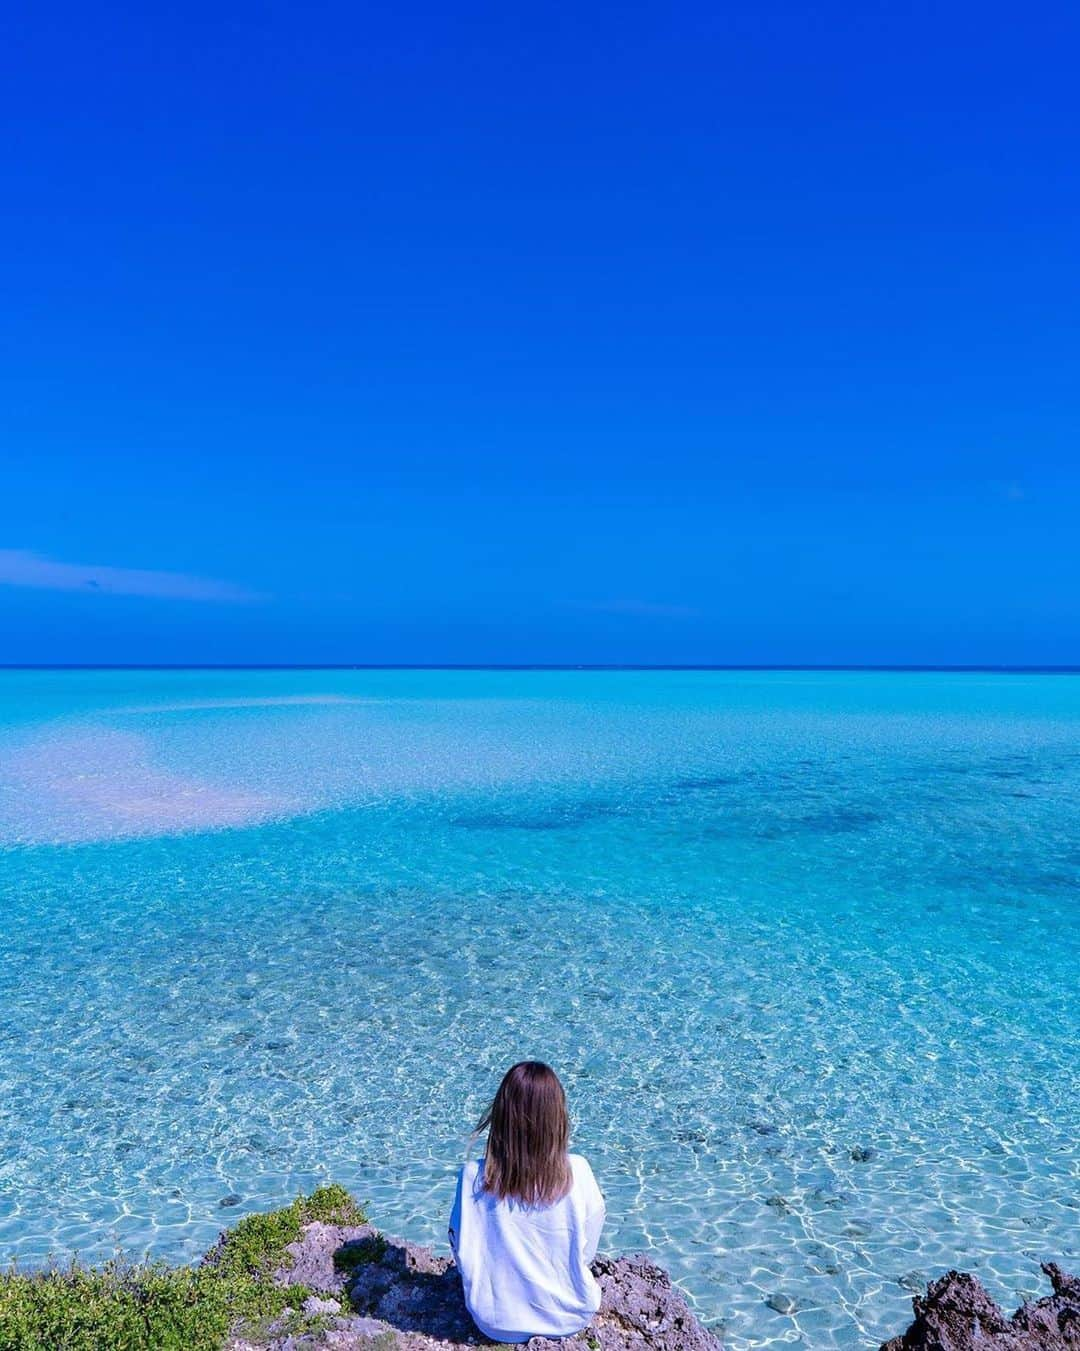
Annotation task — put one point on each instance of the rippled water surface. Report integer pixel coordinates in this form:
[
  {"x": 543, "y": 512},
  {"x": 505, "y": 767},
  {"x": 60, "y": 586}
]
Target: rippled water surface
[{"x": 804, "y": 947}]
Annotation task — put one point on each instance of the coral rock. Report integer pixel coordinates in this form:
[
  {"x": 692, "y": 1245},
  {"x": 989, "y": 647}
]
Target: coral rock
[
  {"x": 405, "y": 1298},
  {"x": 956, "y": 1314}
]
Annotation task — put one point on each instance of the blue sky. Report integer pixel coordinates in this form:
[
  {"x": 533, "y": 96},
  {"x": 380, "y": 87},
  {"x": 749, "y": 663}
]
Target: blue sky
[{"x": 695, "y": 333}]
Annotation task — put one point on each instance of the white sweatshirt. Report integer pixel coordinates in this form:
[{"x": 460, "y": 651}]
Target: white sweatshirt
[{"x": 525, "y": 1269}]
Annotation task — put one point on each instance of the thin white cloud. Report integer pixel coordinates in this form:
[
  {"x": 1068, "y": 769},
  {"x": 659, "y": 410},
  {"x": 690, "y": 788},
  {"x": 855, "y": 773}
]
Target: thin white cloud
[{"x": 20, "y": 567}]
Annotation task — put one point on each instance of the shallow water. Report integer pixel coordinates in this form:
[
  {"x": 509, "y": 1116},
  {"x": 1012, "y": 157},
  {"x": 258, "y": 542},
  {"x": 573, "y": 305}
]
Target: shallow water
[{"x": 803, "y": 946}]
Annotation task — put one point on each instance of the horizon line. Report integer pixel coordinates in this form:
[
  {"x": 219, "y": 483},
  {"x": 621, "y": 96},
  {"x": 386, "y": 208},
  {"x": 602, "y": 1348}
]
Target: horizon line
[{"x": 912, "y": 668}]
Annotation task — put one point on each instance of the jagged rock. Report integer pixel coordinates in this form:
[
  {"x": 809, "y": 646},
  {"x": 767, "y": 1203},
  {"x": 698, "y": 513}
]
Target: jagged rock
[
  {"x": 641, "y": 1309},
  {"x": 956, "y": 1314},
  {"x": 313, "y": 1306},
  {"x": 315, "y": 1259},
  {"x": 398, "y": 1296},
  {"x": 405, "y": 1298}
]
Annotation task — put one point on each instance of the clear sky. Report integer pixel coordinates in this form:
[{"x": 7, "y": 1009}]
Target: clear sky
[{"x": 575, "y": 333}]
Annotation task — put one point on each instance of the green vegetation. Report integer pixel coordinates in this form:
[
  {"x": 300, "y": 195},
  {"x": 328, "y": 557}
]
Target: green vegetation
[
  {"x": 257, "y": 1244},
  {"x": 126, "y": 1307}
]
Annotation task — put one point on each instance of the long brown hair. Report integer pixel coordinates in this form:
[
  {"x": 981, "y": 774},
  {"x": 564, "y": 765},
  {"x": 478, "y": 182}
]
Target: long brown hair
[{"x": 528, "y": 1135}]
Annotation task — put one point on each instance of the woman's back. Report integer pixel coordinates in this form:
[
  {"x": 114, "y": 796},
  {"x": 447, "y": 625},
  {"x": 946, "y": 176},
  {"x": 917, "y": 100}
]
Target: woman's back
[{"x": 525, "y": 1268}]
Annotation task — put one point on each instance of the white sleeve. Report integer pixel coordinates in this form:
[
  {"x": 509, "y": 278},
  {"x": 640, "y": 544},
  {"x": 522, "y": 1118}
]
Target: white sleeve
[
  {"x": 454, "y": 1230},
  {"x": 595, "y": 1212}
]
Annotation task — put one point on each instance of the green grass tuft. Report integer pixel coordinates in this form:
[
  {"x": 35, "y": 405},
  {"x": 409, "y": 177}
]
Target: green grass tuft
[
  {"x": 256, "y": 1245},
  {"x": 126, "y": 1307}
]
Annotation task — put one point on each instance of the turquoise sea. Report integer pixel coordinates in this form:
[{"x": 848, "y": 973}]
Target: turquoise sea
[{"x": 803, "y": 945}]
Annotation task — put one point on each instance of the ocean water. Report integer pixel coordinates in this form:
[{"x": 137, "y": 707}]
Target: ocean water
[{"x": 803, "y": 946}]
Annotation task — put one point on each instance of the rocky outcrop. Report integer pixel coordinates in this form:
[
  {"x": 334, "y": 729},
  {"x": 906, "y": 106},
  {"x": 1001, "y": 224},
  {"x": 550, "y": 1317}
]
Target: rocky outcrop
[
  {"x": 956, "y": 1314},
  {"x": 378, "y": 1294}
]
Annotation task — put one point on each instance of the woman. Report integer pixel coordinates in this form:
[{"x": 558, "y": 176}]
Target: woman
[{"x": 527, "y": 1216}]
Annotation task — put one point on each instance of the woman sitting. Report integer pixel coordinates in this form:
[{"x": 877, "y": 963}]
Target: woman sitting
[{"x": 527, "y": 1216}]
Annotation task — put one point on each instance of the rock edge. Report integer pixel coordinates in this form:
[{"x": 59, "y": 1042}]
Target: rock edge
[
  {"x": 957, "y": 1314},
  {"x": 393, "y": 1294},
  {"x": 383, "y": 1294}
]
